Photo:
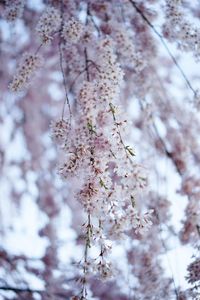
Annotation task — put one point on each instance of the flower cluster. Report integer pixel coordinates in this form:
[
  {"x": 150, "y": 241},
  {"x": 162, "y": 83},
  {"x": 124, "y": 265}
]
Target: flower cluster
[
  {"x": 194, "y": 272},
  {"x": 109, "y": 180},
  {"x": 60, "y": 130},
  {"x": 98, "y": 156},
  {"x": 49, "y": 23},
  {"x": 27, "y": 68},
  {"x": 191, "y": 187},
  {"x": 14, "y": 9},
  {"x": 105, "y": 59},
  {"x": 180, "y": 30},
  {"x": 130, "y": 56},
  {"x": 72, "y": 31}
]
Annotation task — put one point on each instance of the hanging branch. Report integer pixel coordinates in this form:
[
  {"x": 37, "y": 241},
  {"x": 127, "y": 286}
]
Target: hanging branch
[
  {"x": 164, "y": 44},
  {"x": 62, "y": 70},
  {"x": 169, "y": 264}
]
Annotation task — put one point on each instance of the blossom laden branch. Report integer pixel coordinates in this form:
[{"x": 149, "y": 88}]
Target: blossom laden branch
[{"x": 165, "y": 45}]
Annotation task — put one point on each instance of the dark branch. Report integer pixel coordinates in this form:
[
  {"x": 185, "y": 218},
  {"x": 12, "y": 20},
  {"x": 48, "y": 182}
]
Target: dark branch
[
  {"x": 86, "y": 64},
  {"x": 19, "y": 290}
]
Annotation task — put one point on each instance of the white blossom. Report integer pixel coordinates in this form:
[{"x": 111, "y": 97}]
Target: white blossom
[
  {"x": 48, "y": 24},
  {"x": 14, "y": 9},
  {"x": 27, "y": 68},
  {"x": 72, "y": 31}
]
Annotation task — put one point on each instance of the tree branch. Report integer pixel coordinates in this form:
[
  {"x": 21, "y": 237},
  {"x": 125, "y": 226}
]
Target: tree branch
[
  {"x": 164, "y": 44},
  {"x": 19, "y": 290},
  {"x": 62, "y": 70}
]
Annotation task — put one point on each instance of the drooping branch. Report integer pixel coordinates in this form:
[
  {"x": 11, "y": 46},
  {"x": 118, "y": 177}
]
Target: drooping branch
[
  {"x": 157, "y": 33},
  {"x": 62, "y": 70}
]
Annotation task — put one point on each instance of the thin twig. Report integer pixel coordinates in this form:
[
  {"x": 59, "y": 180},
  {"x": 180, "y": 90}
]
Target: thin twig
[
  {"x": 76, "y": 77},
  {"x": 63, "y": 73},
  {"x": 94, "y": 64},
  {"x": 43, "y": 43},
  {"x": 167, "y": 152},
  {"x": 31, "y": 291},
  {"x": 119, "y": 134},
  {"x": 93, "y": 21},
  {"x": 81, "y": 72},
  {"x": 38, "y": 49},
  {"x": 64, "y": 83},
  {"x": 86, "y": 64},
  {"x": 167, "y": 257},
  {"x": 19, "y": 290},
  {"x": 164, "y": 44}
]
